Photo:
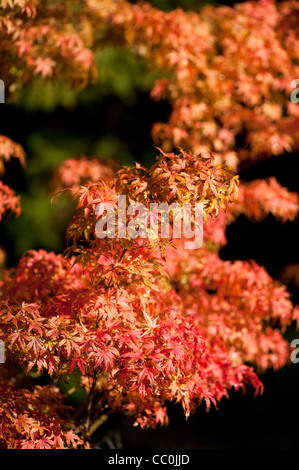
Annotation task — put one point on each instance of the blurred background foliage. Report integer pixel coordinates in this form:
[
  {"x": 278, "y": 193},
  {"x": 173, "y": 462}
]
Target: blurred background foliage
[{"x": 111, "y": 119}]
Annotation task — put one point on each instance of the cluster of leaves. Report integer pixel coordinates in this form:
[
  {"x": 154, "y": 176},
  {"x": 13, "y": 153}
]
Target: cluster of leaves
[
  {"x": 143, "y": 325},
  {"x": 227, "y": 73},
  {"x": 239, "y": 306},
  {"x": 30, "y": 419},
  {"x": 9, "y": 201},
  {"x": 36, "y": 39},
  {"x": 181, "y": 178},
  {"x": 115, "y": 316},
  {"x": 259, "y": 198},
  {"x": 256, "y": 200},
  {"x": 76, "y": 172}
]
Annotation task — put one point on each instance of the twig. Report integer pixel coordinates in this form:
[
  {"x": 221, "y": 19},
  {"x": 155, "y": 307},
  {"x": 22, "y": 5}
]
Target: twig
[
  {"x": 89, "y": 402},
  {"x": 98, "y": 422}
]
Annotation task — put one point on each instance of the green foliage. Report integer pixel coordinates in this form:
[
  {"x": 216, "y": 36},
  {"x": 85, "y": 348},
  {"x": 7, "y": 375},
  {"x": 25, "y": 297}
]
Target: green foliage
[{"x": 120, "y": 74}]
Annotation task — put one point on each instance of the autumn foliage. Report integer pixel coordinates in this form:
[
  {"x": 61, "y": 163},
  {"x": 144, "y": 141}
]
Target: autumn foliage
[{"x": 144, "y": 320}]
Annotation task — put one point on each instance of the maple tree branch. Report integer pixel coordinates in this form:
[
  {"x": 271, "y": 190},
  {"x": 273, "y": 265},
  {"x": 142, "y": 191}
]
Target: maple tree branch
[
  {"x": 99, "y": 422},
  {"x": 89, "y": 402},
  {"x": 86, "y": 404}
]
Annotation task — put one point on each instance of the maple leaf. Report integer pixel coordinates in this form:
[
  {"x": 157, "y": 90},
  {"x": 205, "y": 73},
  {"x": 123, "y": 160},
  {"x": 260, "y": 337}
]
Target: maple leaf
[
  {"x": 36, "y": 344},
  {"x": 23, "y": 423},
  {"x": 44, "y": 66},
  {"x": 44, "y": 443},
  {"x": 28, "y": 444},
  {"x": 105, "y": 357}
]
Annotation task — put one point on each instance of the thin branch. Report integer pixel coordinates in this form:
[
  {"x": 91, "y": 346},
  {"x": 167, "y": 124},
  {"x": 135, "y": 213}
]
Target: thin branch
[
  {"x": 98, "y": 422},
  {"x": 89, "y": 402}
]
